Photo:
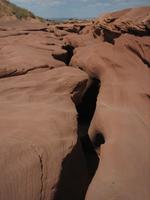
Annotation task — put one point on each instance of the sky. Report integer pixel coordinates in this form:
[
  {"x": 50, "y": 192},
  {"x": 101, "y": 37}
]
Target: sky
[{"x": 51, "y": 9}]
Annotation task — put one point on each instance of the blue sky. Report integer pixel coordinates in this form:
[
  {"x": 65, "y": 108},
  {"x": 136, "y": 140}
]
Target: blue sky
[{"x": 76, "y": 8}]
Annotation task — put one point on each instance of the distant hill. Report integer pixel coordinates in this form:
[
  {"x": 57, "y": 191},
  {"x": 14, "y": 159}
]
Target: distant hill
[{"x": 10, "y": 10}]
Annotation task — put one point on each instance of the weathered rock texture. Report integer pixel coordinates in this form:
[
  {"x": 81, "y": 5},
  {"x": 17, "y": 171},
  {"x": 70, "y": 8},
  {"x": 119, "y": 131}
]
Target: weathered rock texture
[
  {"x": 123, "y": 110},
  {"x": 49, "y": 74}
]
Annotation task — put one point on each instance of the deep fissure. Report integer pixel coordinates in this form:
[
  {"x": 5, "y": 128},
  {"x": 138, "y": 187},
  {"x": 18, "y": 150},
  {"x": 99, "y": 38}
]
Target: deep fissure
[
  {"x": 79, "y": 167},
  {"x": 69, "y": 49},
  {"x": 65, "y": 56},
  {"x": 86, "y": 109}
]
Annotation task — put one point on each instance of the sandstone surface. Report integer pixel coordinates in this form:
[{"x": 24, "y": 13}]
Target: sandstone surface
[{"x": 75, "y": 108}]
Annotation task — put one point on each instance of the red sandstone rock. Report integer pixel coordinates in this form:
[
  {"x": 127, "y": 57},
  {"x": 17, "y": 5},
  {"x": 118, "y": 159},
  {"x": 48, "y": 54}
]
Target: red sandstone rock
[
  {"x": 122, "y": 116},
  {"x": 38, "y": 130},
  {"x": 135, "y": 21},
  {"x": 41, "y": 153},
  {"x": 24, "y": 51}
]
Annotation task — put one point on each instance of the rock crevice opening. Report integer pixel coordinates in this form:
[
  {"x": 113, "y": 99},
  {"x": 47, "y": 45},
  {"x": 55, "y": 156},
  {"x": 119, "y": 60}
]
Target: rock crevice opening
[
  {"x": 79, "y": 167},
  {"x": 66, "y": 55},
  {"x": 70, "y": 50}
]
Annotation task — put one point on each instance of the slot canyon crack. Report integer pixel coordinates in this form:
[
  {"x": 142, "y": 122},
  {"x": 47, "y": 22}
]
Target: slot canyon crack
[
  {"x": 66, "y": 55},
  {"x": 76, "y": 176}
]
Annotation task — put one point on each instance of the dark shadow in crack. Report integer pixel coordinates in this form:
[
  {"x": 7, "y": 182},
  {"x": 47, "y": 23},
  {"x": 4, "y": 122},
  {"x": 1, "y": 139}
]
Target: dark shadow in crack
[
  {"x": 64, "y": 56},
  {"x": 79, "y": 167},
  {"x": 86, "y": 109},
  {"x": 70, "y": 50},
  {"x": 110, "y": 36},
  {"x": 74, "y": 178}
]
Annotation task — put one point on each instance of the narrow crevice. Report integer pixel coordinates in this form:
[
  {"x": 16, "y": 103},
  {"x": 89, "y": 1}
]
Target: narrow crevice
[
  {"x": 8, "y": 74},
  {"x": 110, "y": 36},
  {"x": 37, "y": 30},
  {"x": 86, "y": 109},
  {"x": 135, "y": 51},
  {"x": 79, "y": 167},
  {"x": 140, "y": 33},
  {"x": 41, "y": 166},
  {"x": 66, "y": 55},
  {"x": 70, "y": 50},
  {"x": 15, "y": 34},
  {"x": 62, "y": 56}
]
